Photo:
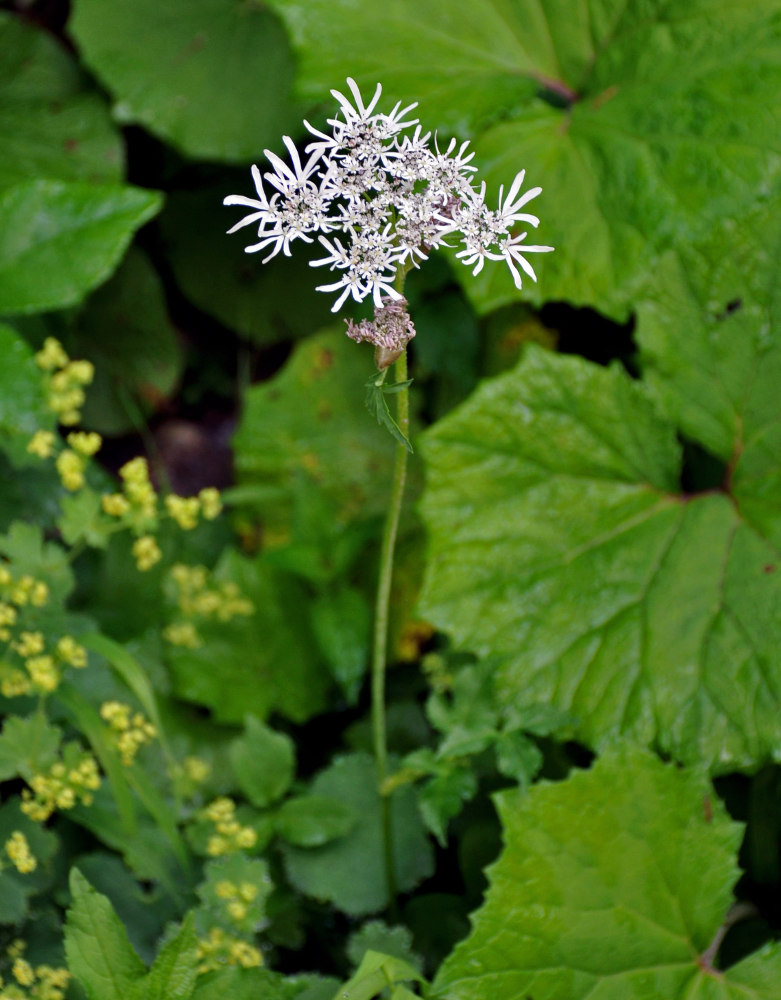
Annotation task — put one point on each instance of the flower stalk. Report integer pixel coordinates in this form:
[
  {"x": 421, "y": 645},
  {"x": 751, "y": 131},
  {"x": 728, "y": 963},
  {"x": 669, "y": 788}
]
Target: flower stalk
[
  {"x": 381, "y": 620},
  {"x": 379, "y": 195}
]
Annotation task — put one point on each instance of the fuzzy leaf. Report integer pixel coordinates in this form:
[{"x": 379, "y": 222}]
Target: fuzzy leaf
[
  {"x": 313, "y": 820},
  {"x": 264, "y": 762},
  {"x": 96, "y": 943},
  {"x": 376, "y": 973},
  {"x": 175, "y": 970},
  {"x": 27, "y": 746},
  {"x": 560, "y": 543},
  {"x": 621, "y": 904},
  {"x": 245, "y": 874}
]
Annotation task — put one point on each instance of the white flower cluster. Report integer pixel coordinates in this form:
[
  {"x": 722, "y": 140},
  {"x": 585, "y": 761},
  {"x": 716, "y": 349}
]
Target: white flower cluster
[{"x": 392, "y": 196}]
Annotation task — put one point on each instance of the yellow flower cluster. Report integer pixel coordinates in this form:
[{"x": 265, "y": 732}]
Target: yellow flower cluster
[
  {"x": 195, "y": 769},
  {"x": 237, "y": 897},
  {"x": 61, "y": 788},
  {"x": 65, "y": 381},
  {"x": 220, "y": 949},
  {"x": 137, "y": 505},
  {"x": 18, "y": 850},
  {"x": 42, "y": 671},
  {"x": 146, "y": 552},
  {"x": 40, "y": 983},
  {"x": 131, "y": 730},
  {"x": 41, "y": 444},
  {"x": 182, "y": 634},
  {"x": 231, "y": 836},
  {"x": 17, "y": 593},
  {"x": 186, "y": 510},
  {"x": 72, "y": 462},
  {"x": 138, "y": 500},
  {"x": 197, "y": 598}
]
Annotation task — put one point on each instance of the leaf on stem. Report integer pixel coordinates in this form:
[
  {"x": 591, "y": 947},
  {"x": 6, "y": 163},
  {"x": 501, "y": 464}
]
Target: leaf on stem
[{"x": 377, "y": 405}]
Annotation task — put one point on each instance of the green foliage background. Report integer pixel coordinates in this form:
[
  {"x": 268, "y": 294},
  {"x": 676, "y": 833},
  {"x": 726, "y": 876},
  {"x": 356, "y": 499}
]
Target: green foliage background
[{"x": 590, "y": 560}]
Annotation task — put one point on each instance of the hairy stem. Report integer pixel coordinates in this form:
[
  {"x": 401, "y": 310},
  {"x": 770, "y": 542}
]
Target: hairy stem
[{"x": 381, "y": 614}]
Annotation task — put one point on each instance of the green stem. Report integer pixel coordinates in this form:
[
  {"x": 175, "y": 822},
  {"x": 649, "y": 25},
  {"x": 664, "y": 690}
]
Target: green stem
[{"x": 381, "y": 615}]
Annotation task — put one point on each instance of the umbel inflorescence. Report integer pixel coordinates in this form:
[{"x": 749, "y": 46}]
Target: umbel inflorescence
[{"x": 379, "y": 195}]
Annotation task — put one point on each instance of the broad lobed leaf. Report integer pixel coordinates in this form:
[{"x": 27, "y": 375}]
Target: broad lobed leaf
[
  {"x": 621, "y": 903},
  {"x": 559, "y": 542}
]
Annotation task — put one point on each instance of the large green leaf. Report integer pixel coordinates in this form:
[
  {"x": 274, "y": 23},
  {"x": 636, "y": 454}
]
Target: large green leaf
[
  {"x": 22, "y": 409},
  {"x": 710, "y": 336},
  {"x": 51, "y": 124},
  {"x": 560, "y": 543},
  {"x": 28, "y": 746},
  {"x": 257, "y": 664},
  {"x": 659, "y": 120},
  {"x": 210, "y": 76},
  {"x": 309, "y": 427},
  {"x": 263, "y": 302},
  {"x": 350, "y": 871},
  {"x": 58, "y": 240},
  {"x": 621, "y": 904},
  {"x": 139, "y": 364}
]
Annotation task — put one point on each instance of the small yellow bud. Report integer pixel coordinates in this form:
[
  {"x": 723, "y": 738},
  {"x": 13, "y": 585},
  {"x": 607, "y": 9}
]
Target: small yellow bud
[
  {"x": 182, "y": 634},
  {"x": 197, "y": 770},
  {"x": 71, "y": 652},
  {"x": 14, "y": 683},
  {"x": 146, "y": 552},
  {"x": 114, "y": 504},
  {"x": 18, "y": 850},
  {"x": 246, "y": 837},
  {"x": 225, "y": 890},
  {"x": 41, "y": 444},
  {"x": 211, "y": 503},
  {"x": 184, "y": 510},
  {"x": 248, "y": 891},
  {"x": 71, "y": 469},
  {"x": 43, "y": 673},
  {"x": 217, "y": 846},
  {"x": 7, "y": 614},
  {"x": 86, "y": 443},
  {"x": 237, "y": 910},
  {"x": 247, "y": 956},
  {"x": 138, "y": 487},
  {"x": 81, "y": 372},
  {"x": 51, "y": 355},
  {"x": 23, "y": 972},
  {"x": 29, "y": 643}
]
